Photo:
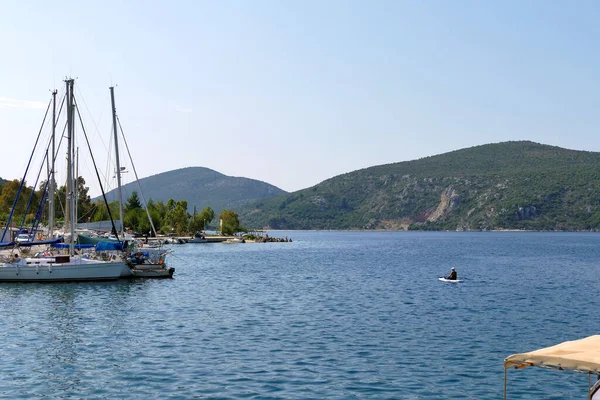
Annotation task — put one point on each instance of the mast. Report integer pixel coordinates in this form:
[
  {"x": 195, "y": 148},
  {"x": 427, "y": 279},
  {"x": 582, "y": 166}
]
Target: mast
[
  {"x": 51, "y": 187},
  {"x": 120, "y": 193},
  {"x": 76, "y": 188},
  {"x": 69, "y": 203}
]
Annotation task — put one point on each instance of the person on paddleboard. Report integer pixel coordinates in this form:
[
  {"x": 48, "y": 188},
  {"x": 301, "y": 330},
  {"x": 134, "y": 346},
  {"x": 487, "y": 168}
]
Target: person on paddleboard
[{"x": 453, "y": 276}]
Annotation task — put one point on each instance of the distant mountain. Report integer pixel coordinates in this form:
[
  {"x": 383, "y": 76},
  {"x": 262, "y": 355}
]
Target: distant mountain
[
  {"x": 511, "y": 185},
  {"x": 201, "y": 187}
]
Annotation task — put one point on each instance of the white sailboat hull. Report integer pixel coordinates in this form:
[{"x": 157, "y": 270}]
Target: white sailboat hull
[
  {"x": 126, "y": 271},
  {"x": 40, "y": 270}
]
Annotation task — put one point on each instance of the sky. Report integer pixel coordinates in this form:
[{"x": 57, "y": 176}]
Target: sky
[{"x": 296, "y": 92}]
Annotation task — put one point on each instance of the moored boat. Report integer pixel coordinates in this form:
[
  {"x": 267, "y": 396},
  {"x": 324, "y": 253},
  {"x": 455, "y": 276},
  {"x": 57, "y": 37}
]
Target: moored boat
[
  {"x": 152, "y": 271},
  {"x": 59, "y": 269},
  {"x": 147, "y": 265},
  {"x": 198, "y": 238}
]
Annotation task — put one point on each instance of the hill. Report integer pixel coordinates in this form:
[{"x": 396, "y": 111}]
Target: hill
[
  {"x": 511, "y": 185},
  {"x": 201, "y": 187}
]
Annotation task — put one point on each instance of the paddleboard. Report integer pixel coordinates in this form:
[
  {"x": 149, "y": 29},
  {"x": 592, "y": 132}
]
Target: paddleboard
[{"x": 450, "y": 280}]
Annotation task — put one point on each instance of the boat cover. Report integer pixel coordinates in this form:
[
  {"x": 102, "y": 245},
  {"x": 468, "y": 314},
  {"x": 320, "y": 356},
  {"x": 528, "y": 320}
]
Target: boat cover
[
  {"x": 75, "y": 246},
  {"x": 581, "y": 355},
  {"x": 53, "y": 241},
  {"x": 102, "y": 246}
]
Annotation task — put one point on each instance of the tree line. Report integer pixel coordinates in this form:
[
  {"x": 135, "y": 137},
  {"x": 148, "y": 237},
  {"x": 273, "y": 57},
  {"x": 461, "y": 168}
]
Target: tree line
[{"x": 171, "y": 217}]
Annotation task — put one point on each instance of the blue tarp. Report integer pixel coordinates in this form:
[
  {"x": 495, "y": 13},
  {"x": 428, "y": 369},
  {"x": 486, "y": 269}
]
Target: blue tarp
[
  {"x": 75, "y": 246},
  {"x": 103, "y": 246},
  {"x": 53, "y": 241}
]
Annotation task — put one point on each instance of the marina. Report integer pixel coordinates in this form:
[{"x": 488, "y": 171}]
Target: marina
[{"x": 69, "y": 255}]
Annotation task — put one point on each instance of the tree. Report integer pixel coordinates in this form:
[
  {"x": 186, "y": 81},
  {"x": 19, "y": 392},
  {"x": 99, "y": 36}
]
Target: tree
[
  {"x": 176, "y": 218},
  {"x": 157, "y": 212},
  {"x": 199, "y": 222},
  {"x": 156, "y": 221},
  {"x": 133, "y": 202},
  {"x": 231, "y": 223},
  {"x": 86, "y": 209},
  {"x": 207, "y": 215},
  {"x": 101, "y": 213},
  {"x": 7, "y": 198},
  {"x": 196, "y": 224},
  {"x": 84, "y": 202}
]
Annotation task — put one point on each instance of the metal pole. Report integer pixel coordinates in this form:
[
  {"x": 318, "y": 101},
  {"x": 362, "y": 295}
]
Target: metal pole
[
  {"x": 69, "y": 202},
  {"x": 76, "y": 188},
  {"x": 120, "y": 193},
  {"x": 504, "y": 383},
  {"x": 51, "y": 184}
]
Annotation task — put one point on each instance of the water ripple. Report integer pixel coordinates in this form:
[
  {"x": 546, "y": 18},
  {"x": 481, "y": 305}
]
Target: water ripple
[{"x": 332, "y": 315}]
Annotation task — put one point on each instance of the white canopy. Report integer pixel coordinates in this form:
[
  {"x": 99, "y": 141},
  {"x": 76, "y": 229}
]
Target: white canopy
[{"x": 581, "y": 355}]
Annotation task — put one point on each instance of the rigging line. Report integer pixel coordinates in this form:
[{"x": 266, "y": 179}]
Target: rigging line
[
  {"x": 40, "y": 211},
  {"x": 90, "y": 114},
  {"x": 97, "y": 174},
  {"x": 102, "y": 110},
  {"x": 62, "y": 136},
  {"x": 109, "y": 176},
  {"x": 33, "y": 189},
  {"x": 9, "y": 220},
  {"x": 62, "y": 103},
  {"x": 57, "y": 149},
  {"x": 48, "y": 149},
  {"x": 62, "y": 207},
  {"x": 89, "y": 212},
  {"x": 105, "y": 174},
  {"x": 136, "y": 176}
]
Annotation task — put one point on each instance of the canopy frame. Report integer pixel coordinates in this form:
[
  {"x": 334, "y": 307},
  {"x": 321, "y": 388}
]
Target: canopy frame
[{"x": 566, "y": 356}]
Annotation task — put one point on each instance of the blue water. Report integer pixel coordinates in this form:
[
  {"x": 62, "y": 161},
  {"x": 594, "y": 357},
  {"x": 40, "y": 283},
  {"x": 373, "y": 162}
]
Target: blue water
[{"x": 331, "y": 315}]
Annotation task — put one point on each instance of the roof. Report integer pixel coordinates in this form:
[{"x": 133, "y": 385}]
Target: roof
[
  {"x": 105, "y": 226},
  {"x": 581, "y": 355}
]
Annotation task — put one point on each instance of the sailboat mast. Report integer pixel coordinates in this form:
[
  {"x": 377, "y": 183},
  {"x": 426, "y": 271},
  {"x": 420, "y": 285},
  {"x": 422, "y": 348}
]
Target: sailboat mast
[
  {"x": 76, "y": 188},
  {"x": 70, "y": 197},
  {"x": 115, "y": 129},
  {"x": 51, "y": 188}
]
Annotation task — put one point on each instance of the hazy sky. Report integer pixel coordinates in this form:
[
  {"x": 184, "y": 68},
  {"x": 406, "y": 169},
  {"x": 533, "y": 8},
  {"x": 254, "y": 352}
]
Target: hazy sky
[{"x": 295, "y": 92}]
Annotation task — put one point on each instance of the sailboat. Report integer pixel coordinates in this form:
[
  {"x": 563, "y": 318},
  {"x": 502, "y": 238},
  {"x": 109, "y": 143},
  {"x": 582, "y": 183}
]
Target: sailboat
[
  {"x": 143, "y": 262},
  {"x": 60, "y": 268}
]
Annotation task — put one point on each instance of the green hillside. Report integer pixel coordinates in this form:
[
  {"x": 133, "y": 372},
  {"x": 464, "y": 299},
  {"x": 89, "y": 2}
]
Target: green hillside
[
  {"x": 201, "y": 187},
  {"x": 511, "y": 185}
]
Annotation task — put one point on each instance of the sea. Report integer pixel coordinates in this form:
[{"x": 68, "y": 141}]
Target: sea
[{"x": 329, "y": 315}]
